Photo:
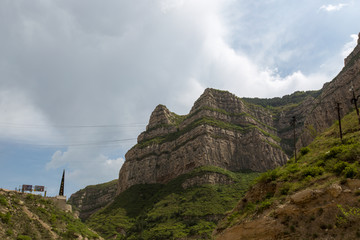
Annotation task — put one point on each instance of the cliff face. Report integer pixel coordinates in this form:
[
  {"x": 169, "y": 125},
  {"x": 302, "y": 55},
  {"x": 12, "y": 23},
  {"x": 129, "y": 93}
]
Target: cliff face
[
  {"x": 92, "y": 198},
  {"x": 220, "y": 130}
]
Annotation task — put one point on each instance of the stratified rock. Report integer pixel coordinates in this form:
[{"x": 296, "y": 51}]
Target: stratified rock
[{"x": 220, "y": 130}]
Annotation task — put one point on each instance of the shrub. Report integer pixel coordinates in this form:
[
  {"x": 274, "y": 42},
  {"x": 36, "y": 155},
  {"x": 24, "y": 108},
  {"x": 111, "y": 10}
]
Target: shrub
[
  {"x": 351, "y": 154},
  {"x": 304, "y": 151},
  {"x": 285, "y": 189},
  {"x": 9, "y": 232},
  {"x": 3, "y": 201},
  {"x": 339, "y": 167},
  {"x": 312, "y": 171},
  {"x": 350, "y": 171},
  {"x": 5, "y": 218},
  {"x": 269, "y": 176},
  {"x": 264, "y": 205},
  {"x": 333, "y": 152},
  {"x": 320, "y": 163},
  {"x": 23, "y": 237}
]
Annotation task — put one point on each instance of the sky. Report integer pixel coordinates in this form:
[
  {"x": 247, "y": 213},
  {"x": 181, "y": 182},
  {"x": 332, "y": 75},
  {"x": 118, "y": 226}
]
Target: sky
[{"x": 79, "y": 79}]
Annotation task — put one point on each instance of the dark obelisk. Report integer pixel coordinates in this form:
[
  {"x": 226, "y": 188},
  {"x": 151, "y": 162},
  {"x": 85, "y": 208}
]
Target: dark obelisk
[{"x": 61, "y": 192}]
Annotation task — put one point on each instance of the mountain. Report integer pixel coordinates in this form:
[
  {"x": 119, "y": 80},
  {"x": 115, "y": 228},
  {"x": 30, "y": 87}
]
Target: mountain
[
  {"x": 220, "y": 130},
  {"x": 27, "y": 216},
  {"x": 186, "y": 172},
  {"x": 316, "y": 197}
]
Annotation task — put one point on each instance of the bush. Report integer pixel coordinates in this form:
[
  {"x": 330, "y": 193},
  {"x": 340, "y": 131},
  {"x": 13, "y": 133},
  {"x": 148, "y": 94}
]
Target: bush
[
  {"x": 333, "y": 152},
  {"x": 339, "y": 167},
  {"x": 268, "y": 176},
  {"x": 350, "y": 171},
  {"x": 3, "y": 201},
  {"x": 285, "y": 189},
  {"x": 312, "y": 171},
  {"x": 351, "y": 154},
  {"x": 5, "y": 218},
  {"x": 304, "y": 151},
  {"x": 265, "y": 205},
  {"x": 23, "y": 237},
  {"x": 9, "y": 232}
]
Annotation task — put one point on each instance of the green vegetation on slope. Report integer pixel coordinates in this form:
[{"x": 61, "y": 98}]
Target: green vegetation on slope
[
  {"x": 156, "y": 211},
  {"x": 88, "y": 197},
  {"x": 292, "y": 99},
  {"x": 325, "y": 161},
  {"x": 27, "y": 216}
]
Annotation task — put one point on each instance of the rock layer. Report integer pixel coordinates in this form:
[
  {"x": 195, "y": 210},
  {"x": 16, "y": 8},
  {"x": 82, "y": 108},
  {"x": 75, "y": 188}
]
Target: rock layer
[{"x": 220, "y": 130}]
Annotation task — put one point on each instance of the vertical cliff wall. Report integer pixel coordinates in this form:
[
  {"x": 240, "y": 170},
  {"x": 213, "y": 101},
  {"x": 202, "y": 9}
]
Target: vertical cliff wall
[{"x": 220, "y": 130}]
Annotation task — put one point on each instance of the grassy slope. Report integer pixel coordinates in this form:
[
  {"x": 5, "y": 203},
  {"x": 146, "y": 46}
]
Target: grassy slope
[
  {"x": 16, "y": 224},
  {"x": 91, "y": 198},
  {"x": 155, "y": 211},
  {"x": 325, "y": 161},
  {"x": 292, "y": 99}
]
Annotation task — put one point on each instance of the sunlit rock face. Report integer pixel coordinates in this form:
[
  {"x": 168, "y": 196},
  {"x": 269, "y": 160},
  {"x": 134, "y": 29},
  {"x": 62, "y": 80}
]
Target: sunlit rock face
[{"x": 220, "y": 130}]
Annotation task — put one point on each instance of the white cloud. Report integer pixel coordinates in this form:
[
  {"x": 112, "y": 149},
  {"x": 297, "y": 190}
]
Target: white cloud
[
  {"x": 85, "y": 167},
  {"x": 333, "y": 8},
  {"x": 349, "y": 46}
]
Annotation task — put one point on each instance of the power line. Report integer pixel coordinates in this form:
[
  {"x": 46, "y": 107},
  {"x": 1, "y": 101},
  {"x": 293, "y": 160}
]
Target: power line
[
  {"x": 84, "y": 144},
  {"x": 129, "y": 125}
]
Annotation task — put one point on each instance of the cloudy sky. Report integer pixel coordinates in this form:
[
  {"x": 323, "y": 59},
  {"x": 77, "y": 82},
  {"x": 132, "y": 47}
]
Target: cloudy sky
[{"x": 79, "y": 79}]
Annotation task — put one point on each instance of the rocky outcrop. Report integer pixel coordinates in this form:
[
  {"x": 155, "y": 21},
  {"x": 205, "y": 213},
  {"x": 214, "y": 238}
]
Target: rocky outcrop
[
  {"x": 92, "y": 198},
  {"x": 220, "y": 130},
  {"x": 208, "y": 178}
]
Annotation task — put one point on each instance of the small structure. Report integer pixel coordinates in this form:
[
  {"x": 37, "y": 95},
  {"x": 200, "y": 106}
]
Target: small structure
[
  {"x": 60, "y": 200},
  {"x": 61, "y": 191}
]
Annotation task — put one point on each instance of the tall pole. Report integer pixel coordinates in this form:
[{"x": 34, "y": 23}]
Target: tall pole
[
  {"x": 293, "y": 123},
  {"x": 339, "y": 117},
  {"x": 61, "y": 192},
  {"x": 354, "y": 101}
]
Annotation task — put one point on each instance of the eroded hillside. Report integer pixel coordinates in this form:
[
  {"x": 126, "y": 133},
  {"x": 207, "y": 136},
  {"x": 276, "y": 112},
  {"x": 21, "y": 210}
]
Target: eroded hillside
[
  {"x": 27, "y": 216},
  {"x": 316, "y": 197}
]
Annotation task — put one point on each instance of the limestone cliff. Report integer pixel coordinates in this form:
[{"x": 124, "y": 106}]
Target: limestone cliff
[{"x": 220, "y": 130}]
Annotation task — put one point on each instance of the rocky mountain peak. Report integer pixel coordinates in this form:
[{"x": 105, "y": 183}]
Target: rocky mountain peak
[
  {"x": 160, "y": 116},
  {"x": 218, "y": 99}
]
